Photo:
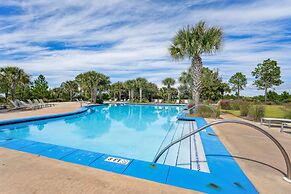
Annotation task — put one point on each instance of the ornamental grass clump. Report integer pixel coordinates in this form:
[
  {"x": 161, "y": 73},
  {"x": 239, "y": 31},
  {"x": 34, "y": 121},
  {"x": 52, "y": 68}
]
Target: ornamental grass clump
[
  {"x": 256, "y": 112},
  {"x": 244, "y": 108}
]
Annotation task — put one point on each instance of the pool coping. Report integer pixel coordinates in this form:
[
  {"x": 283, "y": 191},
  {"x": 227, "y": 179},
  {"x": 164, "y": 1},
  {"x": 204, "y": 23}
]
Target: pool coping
[{"x": 215, "y": 181}]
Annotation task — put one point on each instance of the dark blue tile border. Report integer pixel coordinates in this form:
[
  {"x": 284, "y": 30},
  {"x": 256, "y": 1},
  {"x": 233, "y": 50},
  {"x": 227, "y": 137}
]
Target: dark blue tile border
[{"x": 225, "y": 175}]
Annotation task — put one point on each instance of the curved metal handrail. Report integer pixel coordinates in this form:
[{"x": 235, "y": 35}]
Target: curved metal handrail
[{"x": 284, "y": 153}]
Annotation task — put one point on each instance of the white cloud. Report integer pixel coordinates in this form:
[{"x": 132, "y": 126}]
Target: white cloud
[{"x": 139, "y": 33}]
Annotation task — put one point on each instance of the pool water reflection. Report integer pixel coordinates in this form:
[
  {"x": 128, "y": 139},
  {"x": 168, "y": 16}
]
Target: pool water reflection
[{"x": 134, "y": 131}]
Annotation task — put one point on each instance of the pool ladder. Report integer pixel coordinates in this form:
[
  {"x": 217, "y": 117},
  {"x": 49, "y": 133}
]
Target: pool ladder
[{"x": 274, "y": 140}]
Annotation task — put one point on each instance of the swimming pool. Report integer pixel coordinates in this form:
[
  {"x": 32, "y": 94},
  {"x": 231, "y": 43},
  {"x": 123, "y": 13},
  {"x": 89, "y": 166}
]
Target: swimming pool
[
  {"x": 134, "y": 131},
  {"x": 125, "y": 138}
]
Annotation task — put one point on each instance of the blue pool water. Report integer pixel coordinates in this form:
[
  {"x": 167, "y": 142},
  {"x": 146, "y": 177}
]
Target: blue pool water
[{"x": 133, "y": 131}]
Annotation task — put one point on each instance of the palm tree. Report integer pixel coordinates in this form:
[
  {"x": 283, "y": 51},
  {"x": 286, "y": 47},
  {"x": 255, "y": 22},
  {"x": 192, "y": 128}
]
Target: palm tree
[
  {"x": 130, "y": 86},
  {"x": 141, "y": 84},
  {"x": 168, "y": 82},
  {"x": 117, "y": 88},
  {"x": 191, "y": 42},
  {"x": 93, "y": 82},
  {"x": 71, "y": 87},
  {"x": 13, "y": 78}
]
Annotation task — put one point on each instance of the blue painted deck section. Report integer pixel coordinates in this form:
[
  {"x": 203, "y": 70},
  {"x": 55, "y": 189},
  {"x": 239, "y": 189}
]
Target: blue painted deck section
[{"x": 225, "y": 175}]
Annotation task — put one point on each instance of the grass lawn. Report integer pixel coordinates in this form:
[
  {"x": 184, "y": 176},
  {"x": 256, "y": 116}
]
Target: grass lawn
[
  {"x": 233, "y": 112},
  {"x": 275, "y": 111}
]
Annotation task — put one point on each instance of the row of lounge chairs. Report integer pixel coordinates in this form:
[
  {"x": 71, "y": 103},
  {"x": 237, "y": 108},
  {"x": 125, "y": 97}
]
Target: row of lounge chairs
[
  {"x": 176, "y": 102},
  {"x": 29, "y": 105}
]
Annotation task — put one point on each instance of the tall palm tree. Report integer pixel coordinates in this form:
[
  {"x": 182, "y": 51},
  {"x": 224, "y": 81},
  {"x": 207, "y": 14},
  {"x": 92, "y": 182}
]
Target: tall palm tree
[
  {"x": 70, "y": 87},
  {"x": 13, "y": 78},
  {"x": 130, "y": 86},
  {"x": 168, "y": 82},
  {"x": 117, "y": 88},
  {"x": 93, "y": 82},
  {"x": 141, "y": 84},
  {"x": 191, "y": 42}
]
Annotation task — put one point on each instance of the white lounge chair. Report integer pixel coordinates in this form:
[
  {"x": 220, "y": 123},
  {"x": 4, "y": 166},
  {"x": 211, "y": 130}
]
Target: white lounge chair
[
  {"x": 28, "y": 106},
  {"x": 45, "y": 104},
  {"x": 37, "y": 105},
  {"x": 16, "y": 105},
  {"x": 177, "y": 101}
]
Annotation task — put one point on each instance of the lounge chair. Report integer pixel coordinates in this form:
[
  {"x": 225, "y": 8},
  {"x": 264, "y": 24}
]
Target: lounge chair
[
  {"x": 36, "y": 102},
  {"x": 28, "y": 106},
  {"x": 177, "y": 101},
  {"x": 16, "y": 105},
  {"x": 160, "y": 100},
  {"x": 45, "y": 104},
  {"x": 37, "y": 105},
  {"x": 156, "y": 101}
]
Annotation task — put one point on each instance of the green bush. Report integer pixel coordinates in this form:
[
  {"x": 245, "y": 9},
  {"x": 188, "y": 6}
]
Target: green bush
[
  {"x": 207, "y": 112},
  {"x": 244, "y": 108},
  {"x": 225, "y": 104},
  {"x": 235, "y": 105},
  {"x": 145, "y": 100},
  {"x": 256, "y": 112},
  {"x": 99, "y": 101}
]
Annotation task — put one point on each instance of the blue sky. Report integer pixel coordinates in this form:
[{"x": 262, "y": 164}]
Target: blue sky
[{"x": 129, "y": 39}]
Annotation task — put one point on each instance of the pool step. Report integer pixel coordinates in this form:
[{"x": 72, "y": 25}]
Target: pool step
[{"x": 188, "y": 153}]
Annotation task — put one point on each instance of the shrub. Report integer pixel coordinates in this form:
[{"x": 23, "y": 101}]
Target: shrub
[
  {"x": 244, "y": 108},
  {"x": 206, "y": 112},
  {"x": 235, "y": 104},
  {"x": 145, "y": 100},
  {"x": 99, "y": 101},
  {"x": 225, "y": 104},
  {"x": 256, "y": 112}
]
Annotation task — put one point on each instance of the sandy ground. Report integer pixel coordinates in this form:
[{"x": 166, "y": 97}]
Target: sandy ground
[{"x": 25, "y": 173}]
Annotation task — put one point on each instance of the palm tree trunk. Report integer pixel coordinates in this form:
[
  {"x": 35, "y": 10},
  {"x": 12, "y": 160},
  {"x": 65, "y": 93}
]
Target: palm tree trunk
[
  {"x": 13, "y": 91},
  {"x": 196, "y": 74},
  {"x": 129, "y": 97},
  {"x": 71, "y": 96},
  {"x": 140, "y": 94},
  {"x": 132, "y": 93},
  {"x": 169, "y": 96},
  {"x": 94, "y": 95}
]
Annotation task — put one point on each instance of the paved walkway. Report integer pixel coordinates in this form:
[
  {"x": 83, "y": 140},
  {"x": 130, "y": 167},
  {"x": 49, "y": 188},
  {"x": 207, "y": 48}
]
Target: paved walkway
[
  {"x": 258, "y": 156},
  {"x": 60, "y": 107},
  {"x": 25, "y": 173}
]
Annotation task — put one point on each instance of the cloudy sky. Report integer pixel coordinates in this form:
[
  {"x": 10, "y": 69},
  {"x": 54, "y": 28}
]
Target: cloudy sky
[{"x": 129, "y": 39}]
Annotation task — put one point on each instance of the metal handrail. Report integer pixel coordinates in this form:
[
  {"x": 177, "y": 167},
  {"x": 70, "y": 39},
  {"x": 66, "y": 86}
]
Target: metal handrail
[{"x": 284, "y": 153}]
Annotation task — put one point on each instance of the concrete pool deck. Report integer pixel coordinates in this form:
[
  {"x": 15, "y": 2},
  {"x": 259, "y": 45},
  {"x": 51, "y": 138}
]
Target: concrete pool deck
[{"x": 26, "y": 173}]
